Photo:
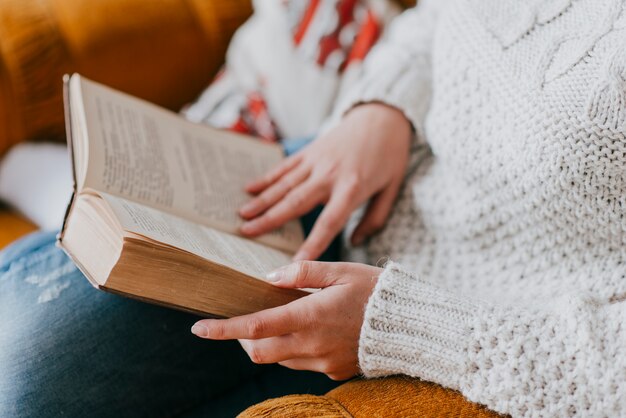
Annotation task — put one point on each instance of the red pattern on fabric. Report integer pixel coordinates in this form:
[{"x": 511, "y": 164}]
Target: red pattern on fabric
[
  {"x": 334, "y": 50},
  {"x": 254, "y": 119},
  {"x": 306, "y": 21},
  {"x": 365, "y": 40},
  {"x": 330, "y": 43},
  {"x": 240, "y": 126},
  {"x": 260, "y": 117}
]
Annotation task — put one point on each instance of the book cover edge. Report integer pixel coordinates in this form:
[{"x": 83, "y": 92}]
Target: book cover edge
[{"x": 70, "y": 148}]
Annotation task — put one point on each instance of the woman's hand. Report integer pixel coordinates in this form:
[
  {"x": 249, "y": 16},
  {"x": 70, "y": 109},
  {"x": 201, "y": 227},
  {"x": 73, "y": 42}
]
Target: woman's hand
[
  {"x": 319, "y": 332},
  {"x": 363, "y": 157}
]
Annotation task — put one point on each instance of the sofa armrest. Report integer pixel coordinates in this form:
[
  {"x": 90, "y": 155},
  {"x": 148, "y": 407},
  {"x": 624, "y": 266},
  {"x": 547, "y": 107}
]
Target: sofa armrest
[
  {"x": 164, "y": 51},
  {"x": 12, "y": 227},
  {"x": 396, "y": 396}
]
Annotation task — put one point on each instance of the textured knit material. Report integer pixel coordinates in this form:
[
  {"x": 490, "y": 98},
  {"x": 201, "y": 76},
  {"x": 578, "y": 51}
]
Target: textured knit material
[{"x": 508, "y": 243}]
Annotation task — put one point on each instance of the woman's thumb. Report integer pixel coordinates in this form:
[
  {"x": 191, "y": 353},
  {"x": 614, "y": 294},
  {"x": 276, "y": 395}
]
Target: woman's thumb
[{"x": 303, "y": 274}]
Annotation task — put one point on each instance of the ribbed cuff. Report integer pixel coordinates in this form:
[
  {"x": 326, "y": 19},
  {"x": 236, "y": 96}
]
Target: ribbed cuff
[{"x": 415, "y": 328}]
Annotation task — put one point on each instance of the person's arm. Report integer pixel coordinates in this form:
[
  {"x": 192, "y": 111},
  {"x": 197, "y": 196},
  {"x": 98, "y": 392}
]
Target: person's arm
[
  {"x": 397, "y": 72},
  {"x": 364, "y": 157},
  {"x": 552, "y": 357},
  {"x": 561, "y": 357}
]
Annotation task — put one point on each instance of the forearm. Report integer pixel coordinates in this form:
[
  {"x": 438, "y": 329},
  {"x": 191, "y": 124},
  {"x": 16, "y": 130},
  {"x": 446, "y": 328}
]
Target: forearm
[
  {"x": 397, "y": 71},
  {"x": 516, "y": 360}
]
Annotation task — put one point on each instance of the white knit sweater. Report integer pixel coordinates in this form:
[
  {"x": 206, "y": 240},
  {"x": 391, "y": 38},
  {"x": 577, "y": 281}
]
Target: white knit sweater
[{"x": 509, "y": 239}]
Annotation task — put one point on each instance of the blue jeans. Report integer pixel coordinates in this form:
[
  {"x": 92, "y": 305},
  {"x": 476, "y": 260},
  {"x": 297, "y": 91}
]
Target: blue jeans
[{"x": 69, "y": 350}]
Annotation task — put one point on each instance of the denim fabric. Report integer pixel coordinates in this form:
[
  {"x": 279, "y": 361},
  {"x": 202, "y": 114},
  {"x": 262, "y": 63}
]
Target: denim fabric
[
  {"x": 293, "y": 145},
  {"x": 69, "y": 350}
]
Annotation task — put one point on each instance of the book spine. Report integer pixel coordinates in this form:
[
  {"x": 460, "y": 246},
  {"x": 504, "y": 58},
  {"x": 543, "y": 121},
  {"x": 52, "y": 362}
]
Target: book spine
[{"x": 70, "y": 148}]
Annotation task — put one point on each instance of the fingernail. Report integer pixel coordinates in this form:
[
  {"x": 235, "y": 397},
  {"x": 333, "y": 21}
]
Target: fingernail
[
  {"x": 200, "y": 330},
  {"x": 301, "y": 255},
  {"x": 274, "y": 276}
]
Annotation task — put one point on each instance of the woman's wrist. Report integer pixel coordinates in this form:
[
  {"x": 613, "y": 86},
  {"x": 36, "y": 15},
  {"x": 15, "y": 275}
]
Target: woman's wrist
[
  {"x": 381, "y": 110},
  {"x": 382, "y": 116}
]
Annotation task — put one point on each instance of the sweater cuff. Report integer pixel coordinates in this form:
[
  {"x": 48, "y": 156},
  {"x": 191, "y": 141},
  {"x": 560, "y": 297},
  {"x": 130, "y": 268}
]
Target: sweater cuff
[
  {"x": 403, "y": 86},
  {"x": 416, "y": 328}
]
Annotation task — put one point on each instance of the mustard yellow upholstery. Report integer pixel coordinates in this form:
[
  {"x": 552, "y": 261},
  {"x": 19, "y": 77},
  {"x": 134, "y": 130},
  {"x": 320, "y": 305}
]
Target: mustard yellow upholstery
[
  {"x": 390, "y": 397},
  {"x": 165, "y": 51},
  {"x": 12, "y": 227}
]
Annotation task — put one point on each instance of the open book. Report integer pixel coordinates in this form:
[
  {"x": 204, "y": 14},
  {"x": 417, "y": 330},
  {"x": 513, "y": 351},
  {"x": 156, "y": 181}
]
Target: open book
[{"x": 154, "y": 210}]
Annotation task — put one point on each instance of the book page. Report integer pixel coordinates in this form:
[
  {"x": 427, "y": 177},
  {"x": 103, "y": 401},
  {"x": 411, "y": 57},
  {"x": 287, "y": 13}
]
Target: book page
[
  {"x": 232, "y": 251},
  {"x": 152, "y": 156}
]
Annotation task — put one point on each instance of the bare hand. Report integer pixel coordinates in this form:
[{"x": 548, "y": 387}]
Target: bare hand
[
  {"x": 319, "y": 332},
  {"x": 363, "y": 157}
]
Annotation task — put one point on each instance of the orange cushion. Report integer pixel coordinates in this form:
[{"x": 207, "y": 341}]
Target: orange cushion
[
  {"x": 164, "y": 51},
  {"x": 389, "y": 397},
  {"x": 12, "y": 227}
]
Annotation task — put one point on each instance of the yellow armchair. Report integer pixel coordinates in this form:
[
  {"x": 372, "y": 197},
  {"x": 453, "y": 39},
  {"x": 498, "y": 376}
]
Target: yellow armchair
[
  {"x": 165, "y": 51},
  {"x": 12, "y": 227}
]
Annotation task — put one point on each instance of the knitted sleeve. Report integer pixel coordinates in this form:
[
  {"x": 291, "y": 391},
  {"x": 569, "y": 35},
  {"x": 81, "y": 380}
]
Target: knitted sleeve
[
  {"x": 561, "y": 358},
  {"x": 397, "y": 71}
]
